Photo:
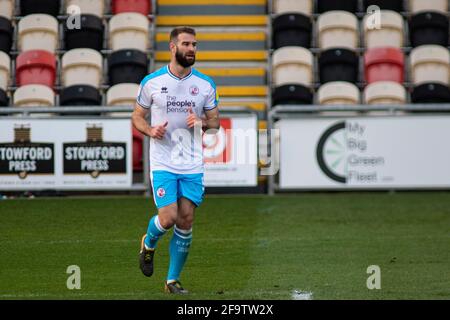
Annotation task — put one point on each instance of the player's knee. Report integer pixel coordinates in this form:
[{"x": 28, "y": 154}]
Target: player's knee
[{"x": 185, "y": 222}]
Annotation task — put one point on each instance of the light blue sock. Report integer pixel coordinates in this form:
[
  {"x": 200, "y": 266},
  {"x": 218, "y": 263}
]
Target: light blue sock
[
  {"x": 154, "y": 232},
  {"x": 179, "y": 249}
]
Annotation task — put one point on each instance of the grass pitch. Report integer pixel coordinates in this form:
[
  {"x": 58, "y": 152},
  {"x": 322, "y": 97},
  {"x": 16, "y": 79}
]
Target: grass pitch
[{"x": 244, "y": 247}]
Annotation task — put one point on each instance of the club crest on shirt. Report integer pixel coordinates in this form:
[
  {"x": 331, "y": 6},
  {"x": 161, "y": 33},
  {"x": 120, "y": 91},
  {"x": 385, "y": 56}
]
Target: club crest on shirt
[
  {"x": 194, "y": 90},
  {"x": 161, "y": 192}
]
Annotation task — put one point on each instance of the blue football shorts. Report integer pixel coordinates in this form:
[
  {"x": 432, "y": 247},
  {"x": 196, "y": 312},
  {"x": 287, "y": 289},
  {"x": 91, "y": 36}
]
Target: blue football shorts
[{"x": 168, "y": 187}]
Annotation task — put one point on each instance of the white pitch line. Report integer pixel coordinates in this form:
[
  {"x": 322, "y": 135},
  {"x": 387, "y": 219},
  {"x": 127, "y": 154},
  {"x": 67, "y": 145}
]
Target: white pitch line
[{"x": 301, "y": 295}]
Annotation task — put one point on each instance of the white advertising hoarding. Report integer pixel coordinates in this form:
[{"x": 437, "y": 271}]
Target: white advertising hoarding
[
  {"x": 363, "y": 152},
  {"x": 81, "y": 154},
  {"x": 231, "y": 155}
]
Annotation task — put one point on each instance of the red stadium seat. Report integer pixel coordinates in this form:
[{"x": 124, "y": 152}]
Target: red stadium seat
[
  {"x": 138, "y": 140},
  {"x": 384, "y": 64},
  {"x": 139, "y": 6},
  {"x": 36, "y": 67}
]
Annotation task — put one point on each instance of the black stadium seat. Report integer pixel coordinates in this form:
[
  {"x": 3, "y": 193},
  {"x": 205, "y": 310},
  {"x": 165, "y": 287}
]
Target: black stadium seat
[
  {"x": 6, "y": 34},
  {"x": 394, "y": 5},
  {"x": 292, "y": 29},
  {"x": 89, "y": 36},
  {"x": 291, "y": 94},
  {"x": 80, "y": 95},
  {"x": 345, "y": 5},
  {"x": 429, "y": 28},
  {"x": 127, "y": 66},
  {"x": 431, "y": 93},
  {"x": 3, "y": 98},
  {"x": 338, "y": 64},
  {"x": 50, "y": 7}
]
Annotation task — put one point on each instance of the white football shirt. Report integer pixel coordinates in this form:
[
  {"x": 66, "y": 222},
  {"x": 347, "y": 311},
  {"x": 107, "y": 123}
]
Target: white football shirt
[{"x": 169, "y": 99}]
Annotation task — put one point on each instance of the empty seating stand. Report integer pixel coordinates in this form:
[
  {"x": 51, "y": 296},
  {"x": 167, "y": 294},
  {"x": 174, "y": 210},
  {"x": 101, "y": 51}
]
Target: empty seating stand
[{"x": 289, "y": 6}]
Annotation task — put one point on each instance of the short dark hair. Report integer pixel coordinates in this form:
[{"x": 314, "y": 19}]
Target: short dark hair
[{"x": 179, "y": 30}]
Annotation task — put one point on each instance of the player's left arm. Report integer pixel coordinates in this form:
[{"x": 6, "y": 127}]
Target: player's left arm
[{"x": 211, "y": 119}]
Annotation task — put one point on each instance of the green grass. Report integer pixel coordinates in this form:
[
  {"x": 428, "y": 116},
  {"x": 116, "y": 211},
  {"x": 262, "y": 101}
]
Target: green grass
[{"x": 244, "y": 247}]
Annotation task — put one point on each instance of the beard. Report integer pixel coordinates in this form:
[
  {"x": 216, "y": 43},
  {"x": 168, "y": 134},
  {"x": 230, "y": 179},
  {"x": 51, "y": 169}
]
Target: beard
[{"x": 183, "y": 60}]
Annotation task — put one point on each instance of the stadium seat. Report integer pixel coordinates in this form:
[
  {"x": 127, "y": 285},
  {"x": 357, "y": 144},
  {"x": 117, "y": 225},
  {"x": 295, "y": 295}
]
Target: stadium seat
[
  {"x": 89, "y": 36},
  {"x": 4, "y": 100},
  {"x": 431, "y": 93},
  {"x": 293, "y": 6},
  {"x": 385, "y": 93},
  {"x": 7, "y": 8},
  {"x": 50, "y": 7},
  {"x": 38, "y": 32},
  {"x": 5, "y": 70},
  {"x": 384, "y": 64},
  {"x": 129, "y": 31},
  {"x": 6, "y": 34},
  {"x": 34, "y": 95},
  {"x": 390, "y": 33},
  {"x": 292, "y": 65},
  {"x": 291, "y": 94},
  {"x": 416, "y": 6},
  {"x": 140, "y": 6},
  {"x": 338, "y": 65},
  {"x": 80, "y": 95},
  {"x": 138, "y": 152},
  {"x": 330, "y": 5},
  {"x": 430, "y": 63},
  {"x": 82, "y": 67},
  {"x": 36, "y": 67},
  {"x": 291, "y": 29},
  {"x": 337, "y": 29},
  {"x": 127, "y": 66},
  {"x": 123, "y": 94},
  {"x": 338, "y": 93},
  {"x": 93, "y": 7},
  {"x": 429, "y": 28},
  {"x": 394, "y": 5}
]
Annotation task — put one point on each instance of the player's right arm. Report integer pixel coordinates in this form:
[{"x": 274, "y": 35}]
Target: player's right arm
[{"x": 139, "y": 120}]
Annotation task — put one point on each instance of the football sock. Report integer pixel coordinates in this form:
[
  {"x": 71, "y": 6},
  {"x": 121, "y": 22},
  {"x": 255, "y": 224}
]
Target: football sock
[
  {"x": 178, "y": 249},
  {"x": 154, "y": 232}
]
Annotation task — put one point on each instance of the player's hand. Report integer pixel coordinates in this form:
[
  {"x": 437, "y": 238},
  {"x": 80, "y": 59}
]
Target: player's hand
[
  {"x": 192, "y": 120},
  {"x": 158, "y": 132}
]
